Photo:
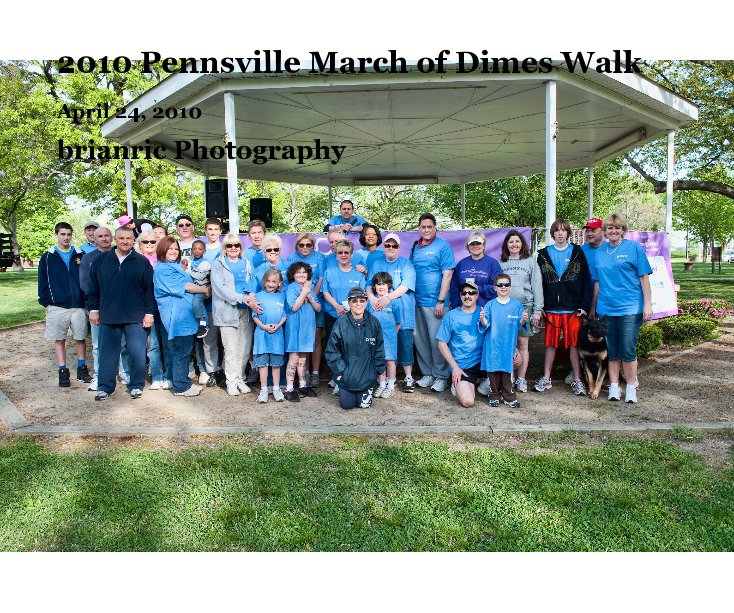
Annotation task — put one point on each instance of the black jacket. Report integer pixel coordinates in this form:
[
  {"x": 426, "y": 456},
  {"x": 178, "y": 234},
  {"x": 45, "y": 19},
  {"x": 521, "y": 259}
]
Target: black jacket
[
  {"x": 122, "y": 293},
  {"x": 573, "y": 290},
  {"x": 57, "y": 284},
  {"x": 356, "y": 352}
]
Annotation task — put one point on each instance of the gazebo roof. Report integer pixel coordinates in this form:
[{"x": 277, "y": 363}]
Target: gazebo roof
[{"x": 408, "y": 128}]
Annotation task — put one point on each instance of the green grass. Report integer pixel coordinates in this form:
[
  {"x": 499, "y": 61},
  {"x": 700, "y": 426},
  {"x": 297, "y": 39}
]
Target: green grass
[
  {"x": 19, "y": 298},
  {"x": 700, "y": 282},
  {"x": 361, "y": 495}
]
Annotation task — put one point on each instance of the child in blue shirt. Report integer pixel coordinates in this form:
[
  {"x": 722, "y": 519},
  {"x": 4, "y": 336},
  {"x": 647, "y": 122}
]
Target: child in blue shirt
[
  {"x": 502, "y": 318},
  {"x": 389, "y": 318},
  {"x": 200, "y": 274},
  {"x": 300, "y": 333},
  {"x": 269, "y": 341}
]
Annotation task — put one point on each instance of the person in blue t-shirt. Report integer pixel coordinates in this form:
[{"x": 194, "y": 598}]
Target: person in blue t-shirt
[
  {"x": 389, "y": 317},
  {"x": 346, "y": 221},
  {"x": 302, "y": 306},
  {"x": 622, "y": 294},
  {"x": 370, "y": 239},
  {"x": 256, "y": 231},
  {"x": 460, "y": 341},
  {"x": 593, "y": 236},
  {"x": 89, "y": 228},
  {"x": 272, "y": 245},
  {"x": 502, "y": 319},
  {"x": 213, "y": 229},
  {"x": 269, "y": 339},
  {"x": 433, "y": 259}
]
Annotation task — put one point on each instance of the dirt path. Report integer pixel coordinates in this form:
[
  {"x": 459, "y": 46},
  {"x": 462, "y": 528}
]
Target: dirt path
[{"x": 696, "y": 387}]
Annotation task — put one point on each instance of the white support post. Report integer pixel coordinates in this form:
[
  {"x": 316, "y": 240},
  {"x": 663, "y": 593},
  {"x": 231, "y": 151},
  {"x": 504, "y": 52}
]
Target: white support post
[
  {"x": 463, "y": 204},
  {"x": 232, "y": 196},
  {"x": 590, "y": 174},
  {"x": 551, "y": 134},
  {"x": 129, "y": 187},
  {"x": 331, "y": 204},
  {"x": 669, "y": 183}
]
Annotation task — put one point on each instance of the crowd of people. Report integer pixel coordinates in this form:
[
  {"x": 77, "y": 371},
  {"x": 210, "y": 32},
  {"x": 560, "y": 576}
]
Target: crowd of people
[{"x": 158, "y": 305}]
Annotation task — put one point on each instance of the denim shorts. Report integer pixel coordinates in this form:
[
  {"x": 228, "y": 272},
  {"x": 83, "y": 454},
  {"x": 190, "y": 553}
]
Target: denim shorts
[
  {"x": 405, "y": 347},
  {"x": 261, "y": 360},
  {"x": 622, "y": 333},
  {"x": 320, "y": 318}
]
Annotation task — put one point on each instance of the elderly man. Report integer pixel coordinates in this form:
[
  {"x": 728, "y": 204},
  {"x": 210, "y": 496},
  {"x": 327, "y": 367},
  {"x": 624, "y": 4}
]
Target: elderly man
[
  {"x": 89, "y": 228},
  {"x": 121, "y": 302},
  {"x": 347, "y": 221},
  {"x": 433, "y": 259}
]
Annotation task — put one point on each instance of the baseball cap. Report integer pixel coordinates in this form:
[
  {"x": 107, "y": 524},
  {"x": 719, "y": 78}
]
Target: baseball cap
[
  {"x": 594, "y": 223},
  {"x": 356, "y": 292},
  {"x": 476, "y": 237},
  {"x": 90, "y": 223},
  {"x": 470, "y": 282},
  {"x": 124, "y": 220},
  {"x": 392, "y": 236}
]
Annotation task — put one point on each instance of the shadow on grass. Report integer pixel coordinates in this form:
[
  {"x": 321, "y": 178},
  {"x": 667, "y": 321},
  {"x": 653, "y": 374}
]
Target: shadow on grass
[{"x": 365, "y": 497}]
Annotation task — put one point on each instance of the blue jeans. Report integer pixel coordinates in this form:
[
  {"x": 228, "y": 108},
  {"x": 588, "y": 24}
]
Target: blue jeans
[
  {"x": 199, "y": 309},
  {"x": 110, "y": 338},
  {"x": 155, "y": 357},
  {"x": 94, "y": 328},
  {"x": 177, "y": 367},
  {"x": 622, "y": 333},
  {"x": 405, "y": 347}
]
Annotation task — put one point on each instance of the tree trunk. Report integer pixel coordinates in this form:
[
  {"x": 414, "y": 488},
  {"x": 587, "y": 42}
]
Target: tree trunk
[{"x": 13, "y": 227}]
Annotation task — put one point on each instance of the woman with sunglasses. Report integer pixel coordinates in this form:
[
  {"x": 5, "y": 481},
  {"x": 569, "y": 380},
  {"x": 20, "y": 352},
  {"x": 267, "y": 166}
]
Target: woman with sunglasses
[
  {"x": 478, "y": 266},
  {"x": 146, "y": 245},
  {"x": 272, "y": 246},
  {"x": 231, "y": 274},
  {"x": 305, "y": 253},
  {"x": 527, "y": 287}
]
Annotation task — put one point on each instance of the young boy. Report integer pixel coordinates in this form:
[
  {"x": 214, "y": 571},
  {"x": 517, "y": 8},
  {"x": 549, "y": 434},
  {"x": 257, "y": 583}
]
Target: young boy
[
  {"x": 200, "y": 272},
  {"x": 501, "y": 318},
  {"x": 269, "y": 341},
  {"x": 389, "y": 318},
  {"x": 302, "y": 306},
  {"x": 213, "y": 229}
]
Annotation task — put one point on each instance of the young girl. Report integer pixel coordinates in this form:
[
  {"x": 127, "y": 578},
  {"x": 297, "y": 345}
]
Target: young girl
[
  {"x": 302, "y": 306},
  {"x": 269, "y": 342},
  {"x": 389, "y": 318}
]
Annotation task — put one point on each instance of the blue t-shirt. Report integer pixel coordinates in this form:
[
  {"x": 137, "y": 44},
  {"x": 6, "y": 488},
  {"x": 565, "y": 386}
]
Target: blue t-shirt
[
  {"x": 590, "y": 253},
  {"x": 368, "y": 258},
  {"x": 618, "y": 270},
  {"x": 389, "y": 317},
  {"x": 87, "y": 247},
  {"x": 66, "y": 255},
  {"x": 273, "y": 306},
  {"x": 212, "y": 253},
  {"x": 560, "y": 259},
  {"x": 461, "y": 332},
  {"x": 196, "y": 262},
  {"x": 355, "y": 220},
  {"x": 239, "y": 273},
  {"x": 256, "y": 257},
  {"x": 501, "y": 338},
  {"x": 315, "y": 261},
  {"x": 430, "y": 262},
  {"x": 402, "y": 273},
  {"x": 300, "y": 331},
  {"x": 338, "y": 283},
  {"x": 256, "y": 280},
  {"x": 330, "y": 261}
]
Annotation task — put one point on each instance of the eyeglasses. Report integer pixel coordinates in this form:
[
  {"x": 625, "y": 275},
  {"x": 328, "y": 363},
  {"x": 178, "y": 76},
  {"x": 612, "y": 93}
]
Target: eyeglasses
[
  {"x": 469, "y": 292},
  {"x": 502, "y": 285},
  {"x": 302, "y": 245},
  {"x": 148, "y": 242},
  {"x": 344, "y": 253},
  {"x": 391, "y": 246},
  {"x": 185, "y": 225},
  {"x": 233, "y": 246},
  {"x": 360, "y": 300},
  {"x": 273, "y": 249}
]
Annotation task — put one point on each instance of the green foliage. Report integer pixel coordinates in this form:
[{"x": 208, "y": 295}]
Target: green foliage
[
  {"x": 364, "y": 496},
  {"x": 19, "y": 298},
  {"x": 684, "y": 433},
  {"x": 649, "y": 340},
  {"x": 687, "y": 329}
]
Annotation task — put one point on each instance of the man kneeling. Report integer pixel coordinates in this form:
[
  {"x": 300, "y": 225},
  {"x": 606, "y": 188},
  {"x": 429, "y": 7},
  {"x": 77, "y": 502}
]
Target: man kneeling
[{"x": 460, "y": 342}]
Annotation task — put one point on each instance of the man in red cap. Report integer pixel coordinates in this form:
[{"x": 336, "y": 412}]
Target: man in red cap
[{"x": 593, "y": 234}]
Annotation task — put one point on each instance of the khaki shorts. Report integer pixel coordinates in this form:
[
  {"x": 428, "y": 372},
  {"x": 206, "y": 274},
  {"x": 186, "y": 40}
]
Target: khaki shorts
[{"x": 59, "y": 320}]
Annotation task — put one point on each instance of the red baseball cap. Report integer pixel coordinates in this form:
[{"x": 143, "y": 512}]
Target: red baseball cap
[{"x": 594, "y": 223}]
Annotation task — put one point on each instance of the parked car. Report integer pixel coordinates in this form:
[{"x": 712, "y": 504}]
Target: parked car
[{"x": 729, "y": 256}]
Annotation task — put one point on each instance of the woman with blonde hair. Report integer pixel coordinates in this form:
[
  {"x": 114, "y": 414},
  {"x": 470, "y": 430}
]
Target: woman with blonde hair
[
  {"x": 478, "y": 266},
  {"x": 146, "y": 244}
]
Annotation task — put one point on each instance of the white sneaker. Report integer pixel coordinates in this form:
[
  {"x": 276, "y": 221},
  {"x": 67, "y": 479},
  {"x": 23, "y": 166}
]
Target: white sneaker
[
  {"x": 388, "y": 392},
  {"x": 543, "y": 384},
  {"x": 578, "y": 388},
  {"x": 263, "y": 395},
  {"x": 166, "y": 385},
  {"x": 485, "y": 387},
  {"x": 614, "y": 392},
  {"x": 521, "y": 385},
  {"x": 243, "y": 387},
  {"x": 156, "y": 385},
  {"x": 278, "y": 395},
  {"x": 93, "y": 385},
  {"x": 335, "y": 391},
  {"x": 381, "y": 387},
  {"x": 439, "y": 385},
  {"x": 332, "y": 383},
  {"x": 203, "y": 378},
  {"x": 232, "y": 390},
  {"x": 194, "y": 390},
  {"x": 453, "y": 390},
  {"x": 630, "y": 394},
  {"x": 425, "y": 381}
]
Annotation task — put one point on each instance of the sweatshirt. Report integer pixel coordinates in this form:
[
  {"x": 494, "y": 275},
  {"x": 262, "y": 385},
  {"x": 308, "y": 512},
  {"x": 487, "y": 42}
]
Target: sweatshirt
[
  {"x": 482, "y": 271},
  {"x": 573, "y": 289},
  {"x": 527, "y": 284}
]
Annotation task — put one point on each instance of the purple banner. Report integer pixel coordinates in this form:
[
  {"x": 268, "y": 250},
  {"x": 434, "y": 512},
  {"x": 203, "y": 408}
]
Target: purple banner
[{"x": 662, "y": 285}]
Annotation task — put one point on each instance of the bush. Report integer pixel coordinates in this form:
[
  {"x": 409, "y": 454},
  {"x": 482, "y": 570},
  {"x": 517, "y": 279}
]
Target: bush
[
  {"x": 687, "y": 329},
  {"x": 650, "y": 339},
  {"x": 706, "y": 307}
]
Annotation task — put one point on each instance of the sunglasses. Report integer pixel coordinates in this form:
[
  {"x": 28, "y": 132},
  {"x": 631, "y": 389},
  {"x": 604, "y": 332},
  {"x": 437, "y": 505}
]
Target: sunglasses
[
  {"x": 360, "y": 300},
  {"x": 149, "y": 242},
  {"x": 502, "y": 285},
  {"x": 469, "y": 292},
  {"x": 233, "y": 246},
  {"x": 185, "y": 225},
  {"x": 302, "y": 245},
  {"x": 273, "y": 249},
  {"x": 391, "y": 246},
  {"x": 344, "y": 253}
]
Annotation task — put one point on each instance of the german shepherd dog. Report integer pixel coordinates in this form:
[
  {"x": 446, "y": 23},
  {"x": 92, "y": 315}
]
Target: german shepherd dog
[{"x": 593, "y": 351}]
